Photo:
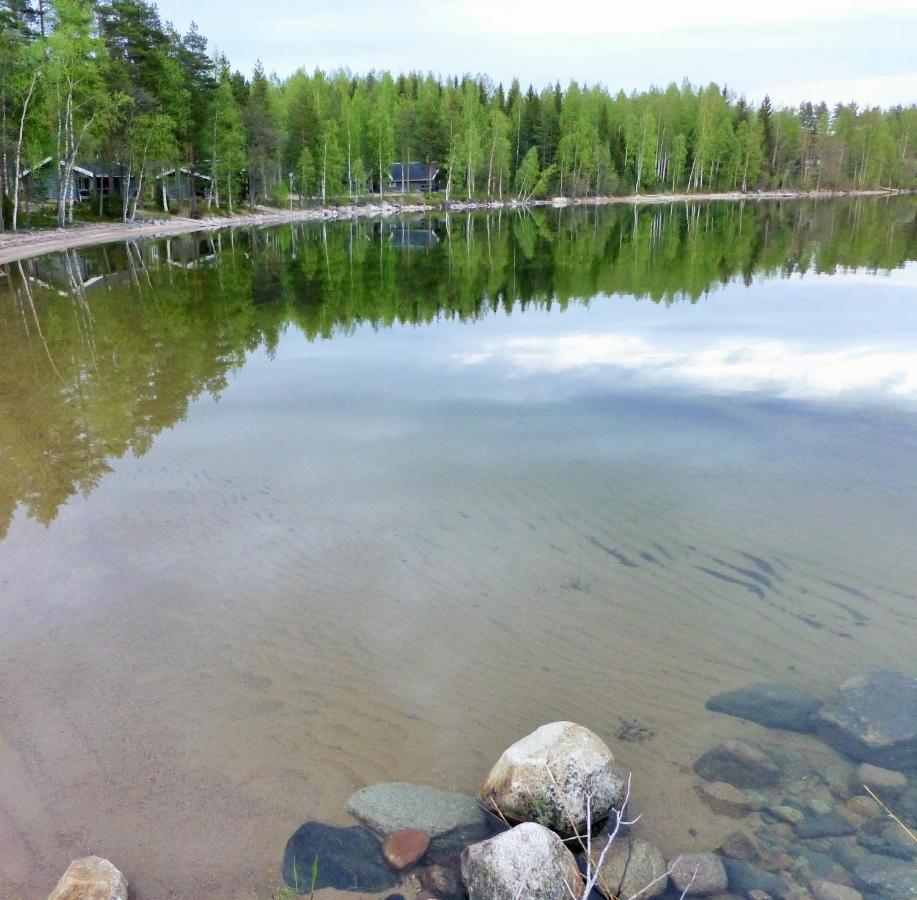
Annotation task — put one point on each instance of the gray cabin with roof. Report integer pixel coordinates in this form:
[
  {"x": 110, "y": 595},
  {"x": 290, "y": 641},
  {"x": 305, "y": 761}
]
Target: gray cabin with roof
[{"x": 410, "y": 178}]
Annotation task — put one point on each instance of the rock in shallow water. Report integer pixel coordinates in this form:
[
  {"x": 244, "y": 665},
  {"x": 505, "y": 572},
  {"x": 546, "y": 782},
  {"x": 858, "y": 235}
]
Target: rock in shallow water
[
  {"x": 452, "y": 820},
  {"x": 629, "y": 867},
  {"x": 528, "y": 861},
  {"x": 829, "y": 890},
  {"x": 745, "y": 877},
  {"x": 349, "y": 859},
  {"x": 739, "y": 764},
  {"x": 887, "y": 877},
  {"x": 885, "y": 783},
  {"x": 828, "y": 825},
  {"x": 725, "y": 799},
  {"x": 771, "y": 705},
  {"x": 546, "y": 776},
  {"x": 90, "y": 878},
  {"x": 404, "y": 848},
  {"x": 699, "y": 874},
  {"x": 873, "y": 719}
]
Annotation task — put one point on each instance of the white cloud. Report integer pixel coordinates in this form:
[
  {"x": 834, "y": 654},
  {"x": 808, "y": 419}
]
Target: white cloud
[{"x": 718, "y": 365}]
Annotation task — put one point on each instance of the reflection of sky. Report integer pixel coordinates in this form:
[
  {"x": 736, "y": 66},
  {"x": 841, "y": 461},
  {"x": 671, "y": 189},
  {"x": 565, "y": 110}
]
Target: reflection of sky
[{"x": 849, "y": 338}]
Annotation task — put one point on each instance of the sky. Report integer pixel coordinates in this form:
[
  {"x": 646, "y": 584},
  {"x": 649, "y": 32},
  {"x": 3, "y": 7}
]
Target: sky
[{"x": 836, "y": 50}]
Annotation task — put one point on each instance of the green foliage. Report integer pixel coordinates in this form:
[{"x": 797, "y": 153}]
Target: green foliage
[{"x": 107, "y": 83}]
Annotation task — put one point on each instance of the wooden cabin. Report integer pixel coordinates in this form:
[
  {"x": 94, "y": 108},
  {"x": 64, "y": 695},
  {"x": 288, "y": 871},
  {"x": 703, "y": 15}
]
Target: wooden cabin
[
  {"x": 411, "y": 178},
  {"x": 88, "y": 181}
]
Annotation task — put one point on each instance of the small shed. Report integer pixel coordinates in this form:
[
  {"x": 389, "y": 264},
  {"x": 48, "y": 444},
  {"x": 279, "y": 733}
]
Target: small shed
[
  {"x": 177, "y": 184},
  {"x": 414, "y": 177}
]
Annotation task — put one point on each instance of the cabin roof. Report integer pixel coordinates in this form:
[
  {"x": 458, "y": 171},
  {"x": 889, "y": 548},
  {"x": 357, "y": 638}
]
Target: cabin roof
[
  {"x": 88, "y": 173},
  {"x": 185, "y": 171},
  {"x": 414, "y": 171}
]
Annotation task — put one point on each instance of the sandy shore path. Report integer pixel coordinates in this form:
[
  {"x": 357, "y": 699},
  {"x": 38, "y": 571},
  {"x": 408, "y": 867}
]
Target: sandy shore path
[{"x": 25, "y": 244}]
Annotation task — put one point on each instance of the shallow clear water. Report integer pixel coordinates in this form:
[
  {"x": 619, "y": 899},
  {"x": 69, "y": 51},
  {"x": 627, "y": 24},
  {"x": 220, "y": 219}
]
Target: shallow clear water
[{"x": 288, "y": 512}]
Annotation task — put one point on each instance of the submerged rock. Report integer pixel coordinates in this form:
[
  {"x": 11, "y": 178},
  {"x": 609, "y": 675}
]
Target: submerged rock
[
  {"x": 739, "y": 764},
  {"x": 452, "y": 820},
  {"x": 829, "y": 890},
  {"x": 527, "y": 861},
  {"x": 771, "y": 705},
  {"x": 443, "y": 883},
  {"x": 725, "y": 799},
  {"x": 827, "y": 825},
  {"x": 699, "y": 874},
  {"x": 629, "y": 867},
  {"x": 349, "y": 859},
  {"x": 546, "y": 776},
  {"x": 887, "y": 877},
  {"x": 745, "y": 877},
  {"x": 885, "y": 783},
  {"x": 873, "y": 719},
  {"x": 402, "y": 849},
  {"x": 90, "y": 878}
]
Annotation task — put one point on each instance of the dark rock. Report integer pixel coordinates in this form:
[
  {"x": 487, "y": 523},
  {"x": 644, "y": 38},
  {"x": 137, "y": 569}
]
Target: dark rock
[
  {"x": 745, "y": 877},
  {"x": 826, "y": 825},
  {"x": 887, "y": 877},
  {"x": 739, "y": 764},
  {"x": 349, "y": 859},
  {"x": 771, "y": 705},
  {"x": 873, "y": 719}
]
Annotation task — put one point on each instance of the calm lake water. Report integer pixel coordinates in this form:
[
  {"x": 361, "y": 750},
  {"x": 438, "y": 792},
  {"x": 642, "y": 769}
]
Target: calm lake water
[{"x": 287, "y": 512}]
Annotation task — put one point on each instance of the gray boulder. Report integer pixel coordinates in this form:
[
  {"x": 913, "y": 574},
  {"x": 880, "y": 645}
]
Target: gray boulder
[
  {"x": 629, "y": 867},
  {"x": 771, "y": 705},
  {"x": 546, "y": 776},
  {"x": 698, "y": 874},
  {"x": 873, "y": 719},
  {"x": 452, "y": 820},
  {"x": 739, "y": 764},
  {"x": 527, "y": 861}
]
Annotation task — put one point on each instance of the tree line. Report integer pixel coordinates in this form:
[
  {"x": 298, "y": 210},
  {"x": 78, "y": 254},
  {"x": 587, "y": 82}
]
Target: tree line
[{"x": 109, "y": 81}]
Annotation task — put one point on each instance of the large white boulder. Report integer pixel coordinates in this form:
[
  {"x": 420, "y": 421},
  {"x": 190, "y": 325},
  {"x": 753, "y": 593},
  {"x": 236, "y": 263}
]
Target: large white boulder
[
  {"x": 527, "y": 861},
  {"x": 90, "y": 878},
  {"x": 547, "y": 776}
]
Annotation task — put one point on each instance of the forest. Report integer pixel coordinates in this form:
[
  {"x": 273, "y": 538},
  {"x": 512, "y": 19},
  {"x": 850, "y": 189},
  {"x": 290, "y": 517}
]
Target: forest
[{"x": 112, "y": 104}]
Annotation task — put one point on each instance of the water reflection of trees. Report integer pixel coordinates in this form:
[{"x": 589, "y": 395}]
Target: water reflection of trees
[{"x": 103, "y": 349}]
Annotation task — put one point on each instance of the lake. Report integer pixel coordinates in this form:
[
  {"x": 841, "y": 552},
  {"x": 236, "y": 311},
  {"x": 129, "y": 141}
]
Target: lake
[{"x": 287, "y": 512}]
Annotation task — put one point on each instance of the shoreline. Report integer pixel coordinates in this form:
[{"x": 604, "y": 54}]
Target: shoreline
[{"x": 16, "y": 246}]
